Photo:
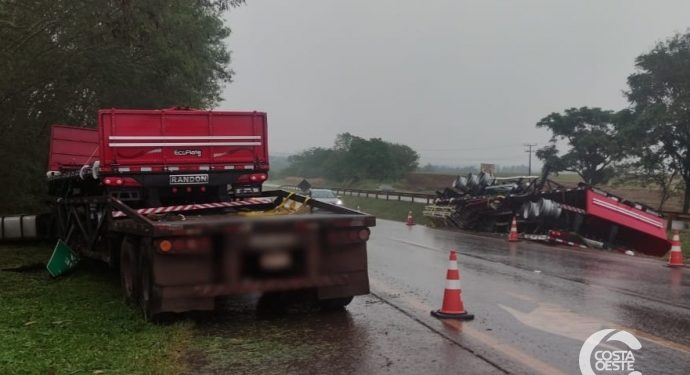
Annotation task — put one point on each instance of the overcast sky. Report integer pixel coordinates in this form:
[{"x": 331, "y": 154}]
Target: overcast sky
[{"x": 461, "y": 82}]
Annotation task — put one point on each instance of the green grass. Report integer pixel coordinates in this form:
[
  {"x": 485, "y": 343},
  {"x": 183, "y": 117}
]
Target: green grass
[
  {"x": 389, "y": 210},
  {"x": 258, "y": 346},
  {"x": 77, "y": 324}
]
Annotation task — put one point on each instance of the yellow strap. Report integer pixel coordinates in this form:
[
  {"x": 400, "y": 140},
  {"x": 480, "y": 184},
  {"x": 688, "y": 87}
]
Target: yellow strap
[{"x": 286, "y": 207}]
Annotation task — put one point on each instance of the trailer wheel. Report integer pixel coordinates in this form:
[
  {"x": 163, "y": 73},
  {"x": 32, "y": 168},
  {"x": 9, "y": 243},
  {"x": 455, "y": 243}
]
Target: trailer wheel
[
  {"x": 129, "y": 270},
  {"x": 335, "y": 304}
]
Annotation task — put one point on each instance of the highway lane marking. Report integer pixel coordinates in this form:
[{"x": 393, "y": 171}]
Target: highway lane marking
[
  {"x": 558, "y": 320},
  {"x": 421, "y": 308}
]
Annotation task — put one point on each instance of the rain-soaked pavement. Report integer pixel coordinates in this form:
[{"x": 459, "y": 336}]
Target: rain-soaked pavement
[{"x": 535, "y": 306}]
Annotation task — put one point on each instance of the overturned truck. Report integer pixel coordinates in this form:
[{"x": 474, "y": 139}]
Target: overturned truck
[{"x": 547, "y": 210}]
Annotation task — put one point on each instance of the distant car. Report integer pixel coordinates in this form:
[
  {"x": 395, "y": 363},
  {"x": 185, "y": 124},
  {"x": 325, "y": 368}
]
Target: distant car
[
  {"x": 326, "y": 196},
  {"x": 385, "y": 188}
]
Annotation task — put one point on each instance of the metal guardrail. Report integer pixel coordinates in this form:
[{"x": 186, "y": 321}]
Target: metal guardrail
[
  {"x": 675, "y": 215},
  {"x": 677, "y": 220},
  {"x": 387, "y": 195},
  {"x": 378, "y": 194}
]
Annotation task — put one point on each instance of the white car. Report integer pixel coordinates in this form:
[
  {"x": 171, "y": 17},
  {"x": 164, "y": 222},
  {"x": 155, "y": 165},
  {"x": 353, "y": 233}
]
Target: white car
[{"x": 326, "y": 196}]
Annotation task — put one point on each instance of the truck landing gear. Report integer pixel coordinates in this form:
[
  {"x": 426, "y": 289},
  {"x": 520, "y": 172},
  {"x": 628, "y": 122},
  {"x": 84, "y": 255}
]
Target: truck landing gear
[
  {"x": 148, "y": 300},
  {"x": 129, "y": 270}
]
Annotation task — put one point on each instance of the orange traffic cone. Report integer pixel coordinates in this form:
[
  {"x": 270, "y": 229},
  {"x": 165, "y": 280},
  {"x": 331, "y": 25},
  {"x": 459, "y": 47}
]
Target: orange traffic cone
[
  {"x": 513, "y": 235},
  {"x": 410, "y": 219},
  {"x": 675, "y": 259},
  {"x": 453, "y": 308}
]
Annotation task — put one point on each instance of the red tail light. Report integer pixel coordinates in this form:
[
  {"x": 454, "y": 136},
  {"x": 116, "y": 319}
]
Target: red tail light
[
  {"x": 189, "y": 245},
  {"x": 120, "y": 181},
  {"x": 254, "y": 177}
]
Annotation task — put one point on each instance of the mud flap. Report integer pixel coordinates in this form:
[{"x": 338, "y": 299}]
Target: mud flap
[{"x": 357, "y": 283}]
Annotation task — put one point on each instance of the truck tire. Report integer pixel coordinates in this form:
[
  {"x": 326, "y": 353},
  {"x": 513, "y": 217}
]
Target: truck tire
[
  {"x": 335, "y": 304},
  {"x": 129, "y": 269}
]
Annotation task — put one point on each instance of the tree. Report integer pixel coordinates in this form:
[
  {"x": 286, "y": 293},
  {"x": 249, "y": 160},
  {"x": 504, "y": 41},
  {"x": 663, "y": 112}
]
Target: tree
[
  {"x": 652, "y": 168},
  {"x": 645, "y": 162},
  {"x": 310, "y": 163},
  {"x": 659, "y": 93},
  {"x": 62, "y": 60},
  {"x": 404, "y": 160},
  {"x": 592, "y": 137},
  {"x": 354, "y": 158}
]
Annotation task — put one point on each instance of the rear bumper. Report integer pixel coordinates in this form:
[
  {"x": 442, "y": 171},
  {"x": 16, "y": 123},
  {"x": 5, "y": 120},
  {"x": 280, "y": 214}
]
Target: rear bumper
[
  {"x": 335, "y": 286},
  {"x": 184, "y": 283}
]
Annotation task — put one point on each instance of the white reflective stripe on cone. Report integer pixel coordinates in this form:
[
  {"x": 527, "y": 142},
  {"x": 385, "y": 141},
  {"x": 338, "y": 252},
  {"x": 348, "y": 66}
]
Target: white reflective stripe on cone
[
  {"x": 675, "y": 248},
  {"x": 453, "y": 284},
  {"x": 452, "y": 265}
]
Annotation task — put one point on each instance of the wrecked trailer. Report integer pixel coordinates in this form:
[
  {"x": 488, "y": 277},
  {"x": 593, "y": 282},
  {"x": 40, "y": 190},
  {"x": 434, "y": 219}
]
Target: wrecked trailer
[{"x": 548, "y": 210}]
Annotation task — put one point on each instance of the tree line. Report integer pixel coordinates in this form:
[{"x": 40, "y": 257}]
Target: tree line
[
  {"x": 647, "y": 142},
  {"x": 353, "y": 158},
  {"x": 62, "y": 60}
]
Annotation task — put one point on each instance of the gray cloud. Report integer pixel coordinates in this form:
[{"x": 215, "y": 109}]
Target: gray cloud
[{"x": 459, "y": 81}]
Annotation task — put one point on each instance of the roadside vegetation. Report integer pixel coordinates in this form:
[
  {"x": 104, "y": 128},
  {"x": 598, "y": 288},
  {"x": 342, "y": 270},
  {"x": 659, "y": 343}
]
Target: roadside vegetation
[
  {"x": 685, "y": 241},
  {"x": 388, "y": 210},
  {"x": 77, "y": 324},
  {"x": 353, "y": 159},
  {"x": 64, "y": 60}
]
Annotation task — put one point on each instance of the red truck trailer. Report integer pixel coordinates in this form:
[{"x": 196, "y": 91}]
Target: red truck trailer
[
  {"x": 174, "y": 199},
  {"x": 545, "y": 209}
]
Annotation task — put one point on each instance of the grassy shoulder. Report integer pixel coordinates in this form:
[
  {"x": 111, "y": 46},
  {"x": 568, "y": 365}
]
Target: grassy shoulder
[
  {"x": 389, "y": 210},
  {"x": 77, "y": 323},
  {"x": 685, "y": 244}
]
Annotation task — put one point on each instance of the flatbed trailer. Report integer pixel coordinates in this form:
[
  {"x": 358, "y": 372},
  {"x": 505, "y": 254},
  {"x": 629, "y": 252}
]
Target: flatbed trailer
[
  {"x": 173, "y": 199},
  {"x": 179, "y": 263}
]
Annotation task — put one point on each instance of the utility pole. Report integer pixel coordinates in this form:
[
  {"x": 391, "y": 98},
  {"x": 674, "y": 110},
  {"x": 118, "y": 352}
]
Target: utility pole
[{"x": 529, "y": 150}]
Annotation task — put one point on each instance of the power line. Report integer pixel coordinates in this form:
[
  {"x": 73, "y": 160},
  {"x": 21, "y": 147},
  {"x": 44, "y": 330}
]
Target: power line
[{"x": 530, "y": 145}]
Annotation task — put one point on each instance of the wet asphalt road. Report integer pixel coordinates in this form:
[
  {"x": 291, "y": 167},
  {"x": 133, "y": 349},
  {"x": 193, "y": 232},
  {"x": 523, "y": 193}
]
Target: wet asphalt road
[{"x": 535, "y": 304}]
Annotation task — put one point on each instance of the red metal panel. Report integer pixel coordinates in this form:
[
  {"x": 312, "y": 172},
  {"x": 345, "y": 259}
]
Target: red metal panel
[
  {"x": 610, "y": 209},
  {"x": 71, "y": 147},
  {"x": 182, "y": 138}
]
